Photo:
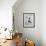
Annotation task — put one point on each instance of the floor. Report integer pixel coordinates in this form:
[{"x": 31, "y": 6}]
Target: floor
[
  {"x": 12, "y": 42},
  {"x": 9, "y": 43}
]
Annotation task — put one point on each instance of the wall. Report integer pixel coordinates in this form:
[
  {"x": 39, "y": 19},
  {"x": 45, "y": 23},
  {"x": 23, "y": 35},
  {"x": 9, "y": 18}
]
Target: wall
[
  {"x": 6, "y": 13},
  {"x": 28, "y": 6},
  {"x": 43, "y": 22}
]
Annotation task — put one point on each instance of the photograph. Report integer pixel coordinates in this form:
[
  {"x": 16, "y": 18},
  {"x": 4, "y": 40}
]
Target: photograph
[{"x": 29, "y": 20}]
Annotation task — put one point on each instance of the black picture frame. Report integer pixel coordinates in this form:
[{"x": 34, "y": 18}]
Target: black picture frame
[{"x": 28, "y": 20}]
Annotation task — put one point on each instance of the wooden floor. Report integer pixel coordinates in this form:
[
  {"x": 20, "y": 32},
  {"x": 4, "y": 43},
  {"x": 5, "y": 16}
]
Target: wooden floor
[
  {"x": 9, "y": 43},
  {"x": 17, "y": 37}
]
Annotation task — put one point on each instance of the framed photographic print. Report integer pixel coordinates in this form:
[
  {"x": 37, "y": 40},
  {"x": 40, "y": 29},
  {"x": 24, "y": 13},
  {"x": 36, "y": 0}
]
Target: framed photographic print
[{"x": 28, "y": 20}]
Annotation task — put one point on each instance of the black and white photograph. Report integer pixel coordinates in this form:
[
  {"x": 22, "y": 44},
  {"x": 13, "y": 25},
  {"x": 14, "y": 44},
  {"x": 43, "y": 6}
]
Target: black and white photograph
[{"x": 29, "y": 20}]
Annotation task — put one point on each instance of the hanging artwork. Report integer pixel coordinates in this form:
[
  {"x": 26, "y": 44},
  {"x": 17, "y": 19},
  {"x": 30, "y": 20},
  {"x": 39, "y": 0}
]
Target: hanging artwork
[{"x": 29, "y": 20}]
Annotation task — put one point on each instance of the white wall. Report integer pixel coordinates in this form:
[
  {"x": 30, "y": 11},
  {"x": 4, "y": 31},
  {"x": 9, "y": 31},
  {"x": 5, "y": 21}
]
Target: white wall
[
  {"x": 43, "y": 22},
  {"x": 29, "y": 6},
  {"x": 6, "y": 13}
]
